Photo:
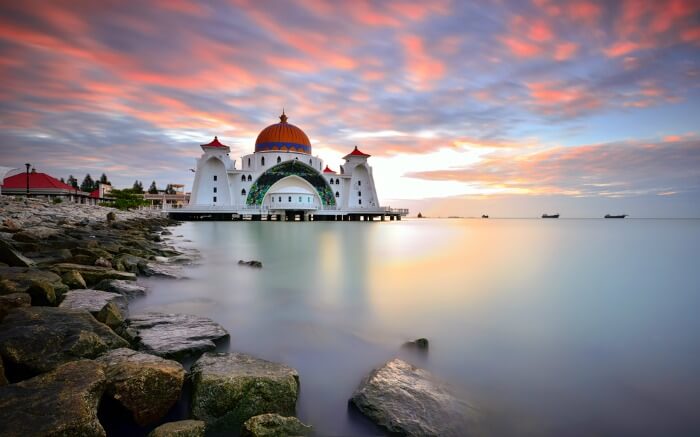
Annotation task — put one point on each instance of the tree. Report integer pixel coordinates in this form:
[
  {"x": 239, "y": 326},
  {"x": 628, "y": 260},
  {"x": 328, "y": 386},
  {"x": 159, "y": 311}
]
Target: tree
[
  {"x": 153, "y": 189},
  {"x": 125, "y": 199},
  {"x": 137, "y": 188},
  {"x": 88, "y": 184},
  {"x": 72, "y": 181},
  {"x": 104, "y": 180}
]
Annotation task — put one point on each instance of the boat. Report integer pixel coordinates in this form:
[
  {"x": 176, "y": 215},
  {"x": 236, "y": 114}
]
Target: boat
[
  {"x": 615, "y": 216},
  {"x": 484, "y": 216},
  {"x": 550, "y": 215}
]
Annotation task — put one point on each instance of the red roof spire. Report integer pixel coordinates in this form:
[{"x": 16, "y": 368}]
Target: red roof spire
[
  {"x": 357, "y": 152},
  {"x": 328, "y": 170},
  {"x": 215, "y": 143}
]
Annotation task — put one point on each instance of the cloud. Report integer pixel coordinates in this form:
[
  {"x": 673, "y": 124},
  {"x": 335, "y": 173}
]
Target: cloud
[{"x": 608, "y": 170}]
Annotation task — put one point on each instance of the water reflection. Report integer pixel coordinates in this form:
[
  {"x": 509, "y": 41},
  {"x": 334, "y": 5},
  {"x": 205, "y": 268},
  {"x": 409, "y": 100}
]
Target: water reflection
[{"x": 573, "y": 327}]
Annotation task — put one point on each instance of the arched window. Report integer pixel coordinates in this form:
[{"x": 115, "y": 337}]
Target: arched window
[
  {"x": 243, "y": 192},
  {"x": 359, "y": 201},
  {"x": 215, "y": 189},
  {"x": 248, "y": 162},
  {"x": 311, "y": 162},
  {"x": 279, "y": 198},
  {"x": 214, "y": 178},
  {"x": 359, "y": 194},
  {"x": 337, "y": 194},
  {"x": 249, "y": 178},
  {"x": 242, "y": 178},
  {"x": 289, "y": 199},
  {"x": 331, "y": 181},
  {"x": 214, "y": 199},
  {"x": 337, "y": 181},
  {"x": 359, "y": 183},
  {"x": 279, "y": 160},
  {"x": 262, "y": 161}
]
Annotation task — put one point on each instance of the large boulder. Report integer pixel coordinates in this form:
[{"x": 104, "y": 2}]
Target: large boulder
[
  {"x": 60, "y": 403},
  {"x": 146, "y": 385},
  {"x": 35, "y": 234},
  {"x": 274, "y": 425},
  {"x": 182, "y": 428},
  {"x": 230, "y": 388},
  {"x": 130, "y": 263},
  {"x": 13, "y": 300},
  {"x": 12, "y": 257},
  {"x": 109, "y": 308},
  {"x": 409, "y": 401},
  {"x": 73, "y": 279},
  {"x": 93, "y": 274},
  {"x": 39, "y": 339},
  {"x": 174, "y": 335},
  {"x": 128, "y": 289},
  {"x": 45, "y": 288}
]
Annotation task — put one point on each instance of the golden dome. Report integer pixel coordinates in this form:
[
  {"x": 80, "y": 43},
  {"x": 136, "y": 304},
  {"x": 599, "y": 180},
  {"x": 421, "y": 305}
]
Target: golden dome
[{"x": 283, "y": 137}]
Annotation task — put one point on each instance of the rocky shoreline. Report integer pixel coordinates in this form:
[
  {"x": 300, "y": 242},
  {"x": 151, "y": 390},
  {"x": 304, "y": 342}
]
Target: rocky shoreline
[{"x": 69, "y": 347}]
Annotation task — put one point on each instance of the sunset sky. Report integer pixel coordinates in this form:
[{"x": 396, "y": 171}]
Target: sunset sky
[{"x": 466, "y": 107}]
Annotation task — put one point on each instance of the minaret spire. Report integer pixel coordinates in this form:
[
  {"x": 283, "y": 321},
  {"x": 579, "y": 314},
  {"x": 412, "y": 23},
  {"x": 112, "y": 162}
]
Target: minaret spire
[{"x": 283, "y": 117}]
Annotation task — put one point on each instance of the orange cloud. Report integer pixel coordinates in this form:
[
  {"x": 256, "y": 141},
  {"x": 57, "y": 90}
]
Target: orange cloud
[
  {"x": 520, "y": 48},
  {"x": 565, "y": 51},
  {"x": 422, "y": 68},
  {"x": 540, "y": 32}
]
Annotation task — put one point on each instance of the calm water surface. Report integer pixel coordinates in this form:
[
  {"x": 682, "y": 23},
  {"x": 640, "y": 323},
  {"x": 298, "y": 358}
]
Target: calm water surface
[{"x": 551, "y": 327}]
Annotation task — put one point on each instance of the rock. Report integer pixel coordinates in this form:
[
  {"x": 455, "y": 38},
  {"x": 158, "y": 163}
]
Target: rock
[
  {"x": 109, "y": 308},
  {"x": 174, "y": 335},
  {"x": 166, "y": 232},
  {"x": 39, "y": 339},
  {"x": 144, "y": 384},
  {"x": 50, "y": 257},
  {"x": 73, "y": 279},
  {"x": 274, "y": 425},
  {"x": 35, "y": 234},
  {"x": 93, "y": 274},
  {"x": 252, "y": 263},
  {"x": 45, "y": 288},
  {"x": 9, "y": 225},
  {"x": 128, "y": 289},
  {"x": 163, "y": 270},
  {"x": 11, "y": 257},
  {"x": 13, "y": 300},
  {"x": 102, "y": 262},
  {"x": 111, "y": 216},
  {"x": 130, "y": 263},
  {"x": 183, "y": 428},
  {"x": 60, "y": 403},
  {"x": 3, "y": 379},
  {"x": 408, "y": 401},
  {"x": 230, "y": 388},
  {"x": 420, "y": 343}
]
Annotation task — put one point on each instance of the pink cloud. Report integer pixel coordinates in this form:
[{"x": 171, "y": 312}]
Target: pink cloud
[
  {"x": 422, "y": 68},
  {"x": 520, "y": 48}
]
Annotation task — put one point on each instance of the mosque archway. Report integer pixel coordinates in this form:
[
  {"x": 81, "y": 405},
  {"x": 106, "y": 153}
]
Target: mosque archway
[{"x": 262, "y": 184}]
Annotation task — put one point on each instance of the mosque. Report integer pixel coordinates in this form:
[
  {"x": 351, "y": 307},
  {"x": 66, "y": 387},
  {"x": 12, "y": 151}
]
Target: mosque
[{"x": 282, "y": 180}]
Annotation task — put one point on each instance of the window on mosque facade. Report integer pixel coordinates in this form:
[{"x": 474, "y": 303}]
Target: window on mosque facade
[
  {"x": 299, "y": 199},
  {"x": 359, "y": 201},
  {"x": 359, "y": 194},
  {"x": 214, "y": 198},
  {"x": 214, "y": 178},
  {"x": 290, "y": 199},
  {"x": 337, "y": 194},
  {"x": 331, "y": 181},
  {"x": 262, "y": 161},
  {"x": 243, "y": 192},
  {"x": 242, "y": 178},
  {"x": 249, "y": 178},
  {"x": 359, "y": 183},
  {"x": 248, "y": 162},
  {"x": 279, "y": 160},
  {"x": 215, "y": 189},
  {"x": 279, "y": 198}
]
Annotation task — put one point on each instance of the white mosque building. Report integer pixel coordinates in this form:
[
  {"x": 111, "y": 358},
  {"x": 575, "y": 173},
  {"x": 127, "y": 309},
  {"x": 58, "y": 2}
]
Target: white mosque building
[{"x": 282, "y": 180}]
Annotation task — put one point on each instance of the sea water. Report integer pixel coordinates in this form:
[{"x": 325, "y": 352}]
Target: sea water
[{"x": 549, "y": 327}]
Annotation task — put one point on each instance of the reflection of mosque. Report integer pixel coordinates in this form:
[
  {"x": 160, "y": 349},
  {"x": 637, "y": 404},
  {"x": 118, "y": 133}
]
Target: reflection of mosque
[{"x": 281, "y": 179}]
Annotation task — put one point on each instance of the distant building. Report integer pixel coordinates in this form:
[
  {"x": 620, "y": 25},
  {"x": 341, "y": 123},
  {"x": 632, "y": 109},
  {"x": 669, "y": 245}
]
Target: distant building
[
  {"x": 178, "y": 199},
  {"x": 46, "y": 186}
]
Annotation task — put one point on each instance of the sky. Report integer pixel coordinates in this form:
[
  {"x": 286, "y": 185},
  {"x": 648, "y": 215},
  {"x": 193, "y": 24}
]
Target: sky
[{"x": 514, "y": 107}]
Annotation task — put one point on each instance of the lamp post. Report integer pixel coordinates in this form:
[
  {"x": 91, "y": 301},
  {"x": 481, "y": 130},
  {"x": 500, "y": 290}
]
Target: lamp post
[{"x": 27, "y": 165}]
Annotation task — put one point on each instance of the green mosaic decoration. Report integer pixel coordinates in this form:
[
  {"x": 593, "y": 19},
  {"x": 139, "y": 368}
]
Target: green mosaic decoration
[{"x": 266, "y": 180}]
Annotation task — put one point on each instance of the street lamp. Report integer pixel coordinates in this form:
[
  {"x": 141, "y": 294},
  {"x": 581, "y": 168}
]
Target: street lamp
[{"x": 27, "y": 165}]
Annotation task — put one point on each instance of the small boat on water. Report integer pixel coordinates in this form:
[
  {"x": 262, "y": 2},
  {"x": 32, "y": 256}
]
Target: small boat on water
[
  {"x": 615, "y": 216},
  {"x": 484, "y": 216},
  {"x": 550, "y": 215}
]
